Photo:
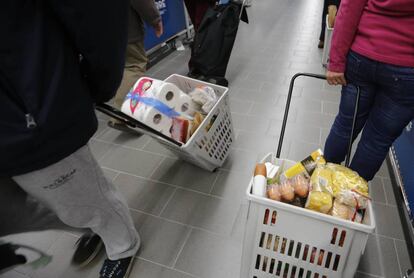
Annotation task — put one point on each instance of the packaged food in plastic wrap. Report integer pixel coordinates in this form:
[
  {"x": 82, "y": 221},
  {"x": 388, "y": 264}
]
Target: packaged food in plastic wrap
[
  {"x": 322, "y": 179},
  {"x": 353, "y": 199},
  {"x": 306, "y": 166},
  {"x": 319, "y": 201},
  {"x": 345, "y": 179},
  {"x": 343, "y": 211}
]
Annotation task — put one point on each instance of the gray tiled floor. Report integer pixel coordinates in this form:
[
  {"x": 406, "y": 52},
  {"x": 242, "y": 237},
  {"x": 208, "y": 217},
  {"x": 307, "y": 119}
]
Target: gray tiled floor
[{"x": 192, "y": 222}]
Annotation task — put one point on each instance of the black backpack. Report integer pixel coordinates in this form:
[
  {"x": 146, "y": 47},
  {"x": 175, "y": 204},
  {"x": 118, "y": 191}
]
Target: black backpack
[{"x": 214, "y": 42}]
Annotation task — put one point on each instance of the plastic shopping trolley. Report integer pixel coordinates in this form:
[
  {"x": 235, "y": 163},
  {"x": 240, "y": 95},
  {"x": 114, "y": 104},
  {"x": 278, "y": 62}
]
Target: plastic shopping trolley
[
  {"x": 209, "y": 146},
  {"x": 282, "y": 240}
]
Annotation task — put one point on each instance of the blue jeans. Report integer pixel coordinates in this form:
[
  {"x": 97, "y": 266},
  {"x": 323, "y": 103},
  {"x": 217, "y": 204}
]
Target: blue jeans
[{"x": 386, "y": 107}]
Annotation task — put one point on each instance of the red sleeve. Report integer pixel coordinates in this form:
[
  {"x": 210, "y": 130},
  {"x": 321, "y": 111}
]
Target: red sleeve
[{"x": 346, "y": 25}]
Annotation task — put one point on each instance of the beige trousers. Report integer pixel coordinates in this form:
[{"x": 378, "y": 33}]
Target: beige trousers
[{"x": 135, "y": 66}]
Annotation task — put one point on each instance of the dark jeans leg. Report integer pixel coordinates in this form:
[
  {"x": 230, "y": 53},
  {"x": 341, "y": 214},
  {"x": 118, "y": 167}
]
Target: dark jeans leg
[
  {"x": 336, "y": 145},
  {"x": 386, "y": 107},
  {"x": 392, "y": 111}
]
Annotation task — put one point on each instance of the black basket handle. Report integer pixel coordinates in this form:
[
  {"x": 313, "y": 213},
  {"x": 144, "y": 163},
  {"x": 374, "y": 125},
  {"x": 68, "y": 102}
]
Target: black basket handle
[
  {"x": 285, "y": 117},
  {"x": 131, "y": 122}
]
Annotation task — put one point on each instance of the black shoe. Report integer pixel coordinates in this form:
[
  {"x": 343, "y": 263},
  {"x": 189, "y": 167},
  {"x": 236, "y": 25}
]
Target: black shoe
[
  {"x": 217, "y": 80},
  {"x": 123, "y": 127},
  {"x": 88, "y": 247},
  {"x": 321, "y": 44},
  {"x": 9, "y": 259},
  {"x": 116, "y": 269}
]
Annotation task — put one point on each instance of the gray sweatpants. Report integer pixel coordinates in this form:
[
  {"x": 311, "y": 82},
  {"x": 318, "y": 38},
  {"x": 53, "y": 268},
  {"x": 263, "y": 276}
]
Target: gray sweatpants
[{"x": 72, "y": 192}]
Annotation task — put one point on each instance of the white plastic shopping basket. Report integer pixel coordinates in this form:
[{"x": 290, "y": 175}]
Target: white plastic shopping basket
[
  {"x": 207, "y": 148},
  {"x": 282, "y": 240}
]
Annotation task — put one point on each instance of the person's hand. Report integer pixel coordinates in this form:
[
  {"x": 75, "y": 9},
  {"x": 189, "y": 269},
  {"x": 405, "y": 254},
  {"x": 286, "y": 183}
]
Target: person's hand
[
  {"x": 335, "y": 78},
  {"x": 159, "y": 29}
]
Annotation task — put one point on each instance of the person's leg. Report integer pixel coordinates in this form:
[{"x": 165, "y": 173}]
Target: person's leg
[
  {"x": 76, "y": 189},
  {"x": 357, "y": 74},
  {"x": 392, "y": 111},
  {"x": 323, "y": 24},
  {"x": 135, "y": 67},
  {"x": 21, "y": 213}
]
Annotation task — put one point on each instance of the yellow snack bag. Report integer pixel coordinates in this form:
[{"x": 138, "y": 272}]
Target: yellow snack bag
[
  {"x": 319, "y": 201},
  {"x": 321, "y": 179},
  {"x": 344, "y": 178},
  {"x": 306, "y": 166}
]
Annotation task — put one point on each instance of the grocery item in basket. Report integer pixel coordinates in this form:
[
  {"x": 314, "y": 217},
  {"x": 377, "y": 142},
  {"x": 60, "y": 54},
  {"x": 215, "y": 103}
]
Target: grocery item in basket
[
  {"x": 185, "y": 105},
  {"x": 271, "y": 170},
  {"x": 353, "y": 199},
  {"x": 319, "y": 201},
  {"x": 306, "y": 166},
  {"x": 180, "y": 130},
  {"x": 154, "y": 119},
  {"x": 212, "y": 120},
  {"x": 259, "y": 180},
  {"x": 196, "y": 122},
  {"x": 205, "y": 97},
  {"x": 273, "y": 192},
  {"x": 343, "y": 211},
  {"x": 321, "y": 179},
  {"x": 345, "y": 178},
  {"x": 298, "y": 202},
  {"x": 287, "y": 191},
  {"x": 301, "y": 186}
]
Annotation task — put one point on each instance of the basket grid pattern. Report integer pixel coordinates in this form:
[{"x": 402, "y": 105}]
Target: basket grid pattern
[
  {"x": 274, "y": 248},
  {"x": 218, "y": 145}
]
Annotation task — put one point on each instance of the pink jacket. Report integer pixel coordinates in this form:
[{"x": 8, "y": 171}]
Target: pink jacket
[{"x": 382, "y": 30}]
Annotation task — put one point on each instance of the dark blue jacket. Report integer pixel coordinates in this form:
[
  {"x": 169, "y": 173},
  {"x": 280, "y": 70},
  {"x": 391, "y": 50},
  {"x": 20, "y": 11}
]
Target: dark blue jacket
[{"x": 46, "y": 91}]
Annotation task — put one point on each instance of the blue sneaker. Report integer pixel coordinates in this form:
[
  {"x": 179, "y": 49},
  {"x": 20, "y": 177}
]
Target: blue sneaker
[{"x": 117, "y": 268}]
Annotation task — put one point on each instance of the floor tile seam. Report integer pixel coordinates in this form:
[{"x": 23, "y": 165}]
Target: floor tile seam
[
  {"x": 189, "y": 226},
  {"x": 157, "y": 167},
  {"x": 385, "y": 191},
  {"x": 387, "y": 237},
  {"x": 214, "y": 184},
  {"x": 187, "y": 237},
  {"x": 116, "y": 176},
  {"x": 370, "y": 274},
  {"x": 170, "y": 184},
  {"x": 385, "y": 204},
  {"x": 398, "y": 257},
  {"x": 168, "y": 202},
  {"x": 167, "y": 267},
  {"x": 102, "y": 157},
  {"x": 146, "y": 144},
  {"x": 107, "y": 151},
  {"x": 132, "y": 148}
]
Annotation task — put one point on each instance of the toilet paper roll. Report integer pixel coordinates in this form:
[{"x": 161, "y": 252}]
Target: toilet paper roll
[
  {"x": 146, "y": 84},
  {"x": 167, "y": 93},
  {"x": 141, "y": 88},
  {"x": 185, "y": 105},
  {"x": 155, "y": 119}
]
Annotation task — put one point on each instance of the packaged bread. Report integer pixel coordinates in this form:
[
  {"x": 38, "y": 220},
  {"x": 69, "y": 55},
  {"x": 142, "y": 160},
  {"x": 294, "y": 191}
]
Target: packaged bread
[
  {"x": 345, "y": 179},
  {"x": 322, "y": 179},
  {"x": 319, "y": 201}
]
